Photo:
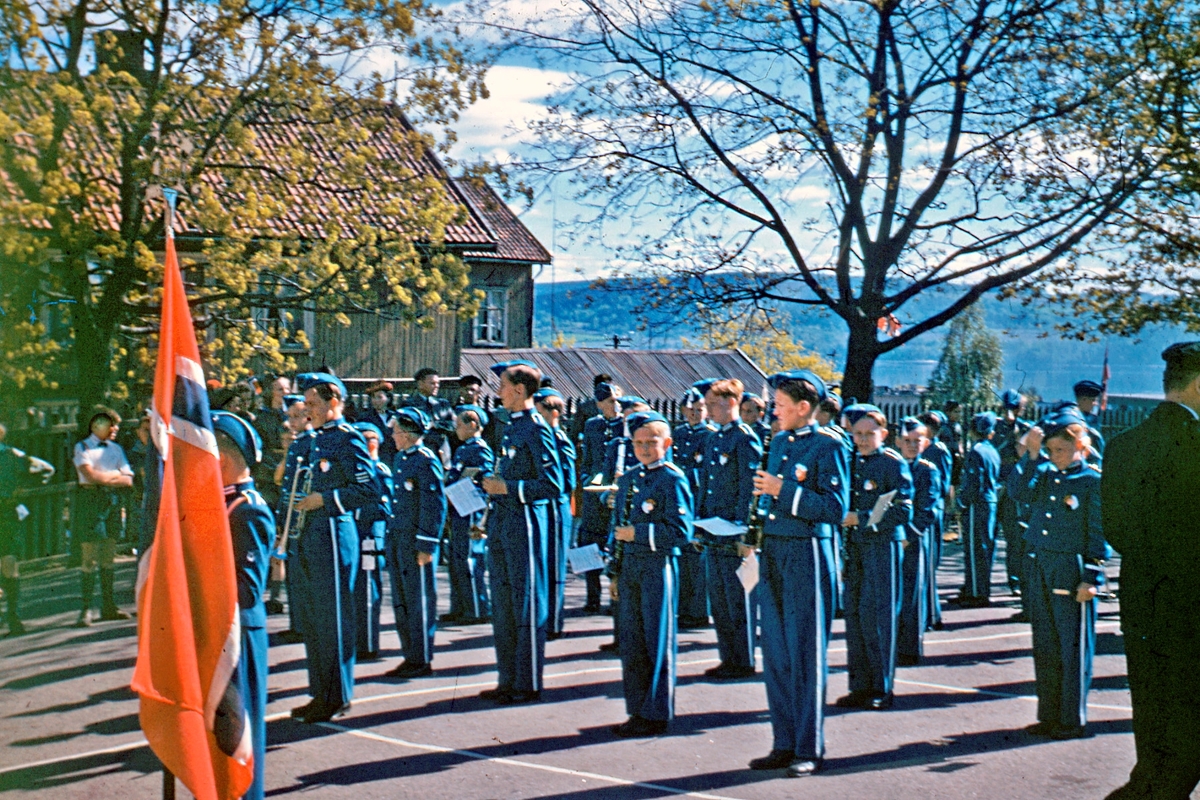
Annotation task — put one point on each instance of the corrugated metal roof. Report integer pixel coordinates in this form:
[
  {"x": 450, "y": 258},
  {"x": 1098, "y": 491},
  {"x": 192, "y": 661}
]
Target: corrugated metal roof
[{"x": 652, "y": 374}]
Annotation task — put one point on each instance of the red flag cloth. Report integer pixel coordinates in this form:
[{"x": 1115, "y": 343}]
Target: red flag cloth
[
  {"x": 189, "y": 638},
  {"x": 1104, "y": 382}
]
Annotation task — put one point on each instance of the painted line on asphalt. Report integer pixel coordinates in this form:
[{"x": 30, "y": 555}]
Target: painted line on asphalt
[
  {"x": 992, "y": 693},
  {"x": 513, "y": 762},
  {"x": 49, "y": 762}
]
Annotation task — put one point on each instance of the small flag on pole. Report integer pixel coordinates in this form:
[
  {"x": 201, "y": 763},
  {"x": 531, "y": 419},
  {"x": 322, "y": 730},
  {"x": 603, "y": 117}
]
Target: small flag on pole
[
  {"x": 189, "y": 639},
  {"x": 1105, "y": 375}
]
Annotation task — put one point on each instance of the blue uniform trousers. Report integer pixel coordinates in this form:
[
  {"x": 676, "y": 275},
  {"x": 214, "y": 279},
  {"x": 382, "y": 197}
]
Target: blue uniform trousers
[
  {"x": 873, "y": 590},
  {"x": 914, "y": 602},
  {"x": 594, "y": 526},
  {"x": 1014, "y": 540},
  {"x": 731, "y": 610},
  {"x": 467, "y": 568},
  {"x": 298, "y": 600},
  {"x": 558, "y": 542},
  {"x": 328, "y": 557},
  {"x": 979, "y": 547},
  {"x": 368, "y": 592},
  {"x": 693, "y": 589},
  {"x": 649, "y": 590},
  {"x": 252, "y": 683},
  {"x": 1064, "y": 638},
  {"x": 933, "y": 556},
  {"x": 414, "y": 597},
  {"x": 520, "y": 604},
  {"x": 796, "y": 598},
  {"x": 836, "y": 572}
]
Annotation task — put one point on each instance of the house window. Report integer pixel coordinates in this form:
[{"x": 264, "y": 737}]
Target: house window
[
  {"x": 294, "y": 327},
  {"x": 491, "y": 322}
]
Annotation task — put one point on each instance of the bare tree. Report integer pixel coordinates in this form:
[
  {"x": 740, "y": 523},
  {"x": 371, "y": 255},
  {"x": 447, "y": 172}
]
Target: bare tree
[{"x": 852, "y": 155}]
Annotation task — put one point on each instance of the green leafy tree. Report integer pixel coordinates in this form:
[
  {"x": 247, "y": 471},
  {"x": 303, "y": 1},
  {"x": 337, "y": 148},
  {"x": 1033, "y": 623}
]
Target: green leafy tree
[
  {"x": 971, "y": 367},
  {"x": 300, "y": 181},
  {"x": 753, "y": 331},
  {"x": 858, "y": 154}
]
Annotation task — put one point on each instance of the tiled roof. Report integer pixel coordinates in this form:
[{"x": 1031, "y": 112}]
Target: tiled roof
[
  {"x": 486, "y": 229},
  {"x": 514, "y": 242},
  {"x": 652, "y": 374}
]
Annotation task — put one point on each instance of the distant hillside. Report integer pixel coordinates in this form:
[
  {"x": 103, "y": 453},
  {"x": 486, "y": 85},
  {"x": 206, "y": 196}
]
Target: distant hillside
[{"x": 1034, "y": 355}]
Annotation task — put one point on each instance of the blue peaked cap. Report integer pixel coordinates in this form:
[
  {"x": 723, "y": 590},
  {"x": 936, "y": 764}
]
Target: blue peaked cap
[
  {"x": 474, "y": 409},
  {"x": 704, "y": 385},
  {"x": 241, "y": 433},
  {"x": 641, "y": 418},
  {"x": 603, "y": 391},
  {"x": 415, "y": 417},
  {"x": 541, "y": 394},
  {"x": 308, "y": 380},
  {"x": 499, "y": 368},
  {"x": 984, "y": 423},
  {"x": 800, "y": 375},
  {"x": 368, "y": 427},
  {"x": 855, "y": 412}
]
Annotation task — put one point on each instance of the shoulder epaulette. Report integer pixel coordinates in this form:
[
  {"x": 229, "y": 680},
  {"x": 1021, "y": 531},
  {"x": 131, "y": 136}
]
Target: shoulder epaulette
[
  {"x": 426, "y": 451},
  {"x": 1096, "y": 467},
  {"x": 927, "y": 463},
  {"x": 384, "y": 468},
  {"x": 887, "y": 451},
  {"x": 17, "y": 452},
  {"x": 831, "y": 433},
  {"x": 744, "y": 428},
  {"x": 674, "y": 468}
]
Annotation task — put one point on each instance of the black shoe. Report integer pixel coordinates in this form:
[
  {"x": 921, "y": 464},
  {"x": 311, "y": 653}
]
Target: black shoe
[
  {"x": 803, "y": 768},
  {"x": 776, "y": 759},
  {"x": 408, "y": 669},
  {"x": 736, "y": 674},
  {"x": 450, "y": 619},
  {"x": 518, "y": 698},
  {"x": 640, "y": 727},
  {"x": 907, "y": 661},
  {"x": 693, "y": 623},
  {"x": 475, "y": 621},
  {"x": 609, "y": 647},
  {"x": 368, "y": 657},
  {"x": 937, "y": 626},
  {"x": 15, "y": 628},
  {"x": 713, "y": 672},
  {"x": 495, "y": 695},
  {"x": 551, "y": 636},
  {"x": 273, "y": 607},
  {"x": 299, "y": 712},
  {"x": 879, "y": 702},
  {"x": 607, "y": 611},
  {"x": 853, "y": 700},
  {"x": 113, "y": 615},
  {"x": 1041, "y": 729},
  {"x": 325, "y": 713},
  {"x": 1079, "y": 732},
  {"x": 1020, "y": 616},
  {"x": 291, "y": 637},
  {"x": 591, "y": 610}
]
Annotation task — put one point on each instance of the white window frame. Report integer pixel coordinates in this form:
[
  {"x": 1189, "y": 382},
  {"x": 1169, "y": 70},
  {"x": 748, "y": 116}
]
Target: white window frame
[{"x": 490, "y": 326}]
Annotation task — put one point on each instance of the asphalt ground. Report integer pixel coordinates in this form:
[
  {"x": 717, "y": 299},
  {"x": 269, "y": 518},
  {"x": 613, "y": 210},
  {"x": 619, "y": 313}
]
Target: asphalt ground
[{"x": 70, "y": 727}]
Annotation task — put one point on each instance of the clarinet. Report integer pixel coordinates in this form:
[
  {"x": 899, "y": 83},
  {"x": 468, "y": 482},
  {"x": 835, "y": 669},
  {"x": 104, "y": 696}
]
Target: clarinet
[{"x": 618, "y": 554}]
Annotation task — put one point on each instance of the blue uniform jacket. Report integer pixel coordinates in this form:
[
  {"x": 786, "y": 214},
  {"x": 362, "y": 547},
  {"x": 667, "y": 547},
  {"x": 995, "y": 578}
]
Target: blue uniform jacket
[
  {"x": 1064, "y": 513},
  {"x": 381, "y": 507},
  {"x": 661, "y": 509},
  {"x": 883, "y": 471},
  {"x": 597, "y": 433},
  {"x": 688, "y": 446},
  {"x": 981, "y": 475},
  {"x": 941, "y": 457},
  {"x": 763, "y": 431},
  {"x": 1005, "y": 441},
  {"x": 472, "y": 453},
  {"x": 815, "y": 467},
  {"x": 732, "y": 454},
  {"x": 927, "y": 495},
  {"x": 343, "y": 473},
  {"x": 566, "y": 458},
  {"x": 528, "y": 461},
  {"x": 252, "y": 527},
  {"x": 617, "y": 447},
  {"x": 418, "y": 498}
]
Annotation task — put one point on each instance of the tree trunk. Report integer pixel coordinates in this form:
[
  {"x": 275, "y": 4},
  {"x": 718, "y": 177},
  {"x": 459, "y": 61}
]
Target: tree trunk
[
  {"x": 93, "y": 360},
  {"x": 861, "y": 352}
]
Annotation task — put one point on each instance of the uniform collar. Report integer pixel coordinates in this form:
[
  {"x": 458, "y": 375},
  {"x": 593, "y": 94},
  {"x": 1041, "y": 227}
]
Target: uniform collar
[
  {"x": 476, "y": 438},
  {"x": 726, "y": 427},
  {"x": 414, "y": 448},
  {"x": 93, "y": 441},
  {"x": 804, "y": 430},
  {"x": 518, "y": 414},
  {"x": 239, "y": 487},
  {"x": 333, "y": 423},
  {"x": 1188, "y": 409}
]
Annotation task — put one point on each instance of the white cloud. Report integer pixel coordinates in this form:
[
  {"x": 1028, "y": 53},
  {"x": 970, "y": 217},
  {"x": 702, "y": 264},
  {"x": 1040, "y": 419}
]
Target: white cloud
[{"x": 492, "y": 128}]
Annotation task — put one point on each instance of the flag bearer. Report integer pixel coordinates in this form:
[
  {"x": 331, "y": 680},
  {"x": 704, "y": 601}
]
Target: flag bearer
[
  {"x": 551, "y": 406},
  {"x": 806, "y": 491},
  {"x": 327, "y": 553},
  {"x": 526, "y": 481},
  {"x": 372, "y": 525},
  {"x": 252, "y": 526},
  {"x": 914, "y": 440},
  {"x": 414, "y": 533},
  {"x": 874, "y": 560},
  {"x": 1066, "y": 550},
  {"x": 658, "y": 524},
  {"x": 732, "y": 454},
  {"x": 468, "y": 545}
]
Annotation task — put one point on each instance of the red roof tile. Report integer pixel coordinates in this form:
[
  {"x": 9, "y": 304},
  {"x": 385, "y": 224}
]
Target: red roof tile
[{"x": 514, "y": 242}]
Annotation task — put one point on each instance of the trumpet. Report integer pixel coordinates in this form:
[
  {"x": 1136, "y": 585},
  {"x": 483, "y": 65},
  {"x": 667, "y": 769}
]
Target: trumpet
[{"x": 293, "y": 518}]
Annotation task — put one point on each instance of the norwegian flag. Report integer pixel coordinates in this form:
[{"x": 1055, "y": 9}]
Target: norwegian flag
[
  {"x": 1105, "y": 375},
  {"x": 189, "y": 638}
]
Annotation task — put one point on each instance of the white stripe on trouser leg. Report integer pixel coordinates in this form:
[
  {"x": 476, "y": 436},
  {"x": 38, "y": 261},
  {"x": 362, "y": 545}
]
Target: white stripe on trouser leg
[
  {"x": 337, "y": 598},
  {"x": 819, "y": 650},
  {"x": 971, "y": 554},
  {"x": 472, "y": 565},
  {"x": 749, "y": 623},
  {"x": 424, "y": 613},
  {"x": 671, "y": 615},
  {"x": 531, "y": 590},
  {"x": 894, "y": 567}
]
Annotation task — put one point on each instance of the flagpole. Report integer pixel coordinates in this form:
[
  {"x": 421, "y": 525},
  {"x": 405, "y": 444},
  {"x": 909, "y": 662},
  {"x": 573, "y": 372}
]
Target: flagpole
[
  {"x": 170, "y": 196},
  {"x": 168, "y": 784}
]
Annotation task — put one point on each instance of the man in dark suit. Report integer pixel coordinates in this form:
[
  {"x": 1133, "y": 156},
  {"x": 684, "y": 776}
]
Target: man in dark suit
[{"x": 1149, "y": 493}]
